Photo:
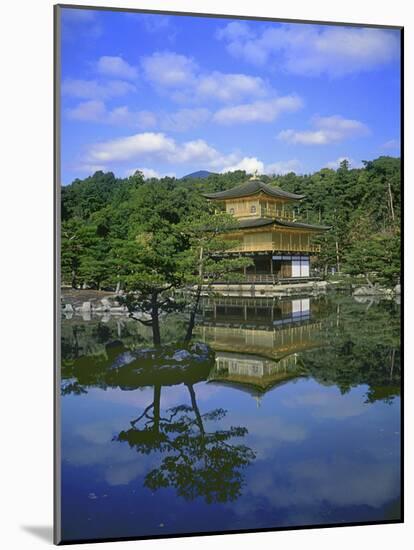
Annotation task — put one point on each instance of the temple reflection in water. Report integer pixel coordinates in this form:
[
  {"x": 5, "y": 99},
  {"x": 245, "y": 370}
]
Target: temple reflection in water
[
  {"x": 258, "y": 341},
  {"x": 173, "y": 433}
]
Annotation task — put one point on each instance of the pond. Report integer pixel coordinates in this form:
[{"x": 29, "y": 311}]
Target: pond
[{"x": 289, "y": 416}]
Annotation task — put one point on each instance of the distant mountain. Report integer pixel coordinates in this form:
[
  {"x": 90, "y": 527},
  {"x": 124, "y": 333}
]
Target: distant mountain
[{"x": 201, "y": 174}]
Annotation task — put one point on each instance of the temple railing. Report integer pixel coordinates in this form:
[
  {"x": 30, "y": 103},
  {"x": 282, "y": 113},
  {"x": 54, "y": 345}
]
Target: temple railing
[
  {"x": 276, "y": 213},
  {"x": 267, "y": 278},
  {"x": 266, "y": 247},
  {"x": 260, "y": 278},
  {"x": 262, "y": 211}
]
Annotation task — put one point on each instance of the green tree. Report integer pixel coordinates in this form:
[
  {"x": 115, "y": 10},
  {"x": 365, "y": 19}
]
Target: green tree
[
  {"x": 375, "y": 255},
  {"x": 70, "y": 250},
  {"x": 206, "y": 259},
  {"x": 150, "y": 269}
]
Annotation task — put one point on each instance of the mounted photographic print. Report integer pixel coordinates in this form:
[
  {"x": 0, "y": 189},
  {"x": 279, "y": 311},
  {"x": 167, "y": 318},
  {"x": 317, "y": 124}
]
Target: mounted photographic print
[{"x": 228, "y": 276}]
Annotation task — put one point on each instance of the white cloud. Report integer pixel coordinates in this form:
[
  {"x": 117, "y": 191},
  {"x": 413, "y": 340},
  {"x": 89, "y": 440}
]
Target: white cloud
[
  {"x": 168, "y": 69},
  {"x": 311, "y": 50},
  {"x": 93, "y": 110},
  {"x": 156, "y": 147},
  {"x": 93, "y": 89},
  {"x": 185, "y": 119},
  {"x": 317, "y": 137},
  {"x": 235, "y": 30},
  {"x": 184, "y": 81},
  {"x": 283, "y": 167},
  {"x": 96, "y": 111},
  {"x": 198, "y": 151},
  {"x": 258, "y": 111},
  {"x": 229, "y": 87},
  {"x": 233, "y": 87},
  {"x": 332, "y": 129},
  {"x": 115, "y": 66},
  {"x": 135, "y": 146},
  {"x": 249, "y": 164},
  {"x": 122, "y": 116},
  {"x": 178, "y": 121}
]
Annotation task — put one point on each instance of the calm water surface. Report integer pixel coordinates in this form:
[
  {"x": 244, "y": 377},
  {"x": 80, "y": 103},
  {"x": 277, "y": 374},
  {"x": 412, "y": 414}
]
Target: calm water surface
[{"x": 291, "y": 416}]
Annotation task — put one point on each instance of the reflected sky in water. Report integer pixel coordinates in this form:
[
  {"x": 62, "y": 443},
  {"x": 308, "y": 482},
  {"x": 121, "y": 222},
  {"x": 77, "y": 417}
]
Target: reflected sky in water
[{"x": 272, "y": 430}]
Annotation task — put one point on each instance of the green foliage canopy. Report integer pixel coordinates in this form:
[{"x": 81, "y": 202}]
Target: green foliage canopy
[{"x": 140, "y": 231}]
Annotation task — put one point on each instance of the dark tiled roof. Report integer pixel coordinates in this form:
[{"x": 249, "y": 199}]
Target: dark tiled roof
[
  {"x": 300, "y": 225},
  {"x": 254, "y": 222},
  {"x": 261, "y": 222},
  {"x": 251, "y": 188}
]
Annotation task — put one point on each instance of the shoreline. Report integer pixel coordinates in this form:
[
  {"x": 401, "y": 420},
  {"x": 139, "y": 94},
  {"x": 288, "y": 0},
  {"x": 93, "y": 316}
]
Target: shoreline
[{"x": 90, "y": 303}]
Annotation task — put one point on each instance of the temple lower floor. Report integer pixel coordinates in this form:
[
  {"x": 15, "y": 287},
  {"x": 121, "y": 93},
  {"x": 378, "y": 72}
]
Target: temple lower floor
[{"x": 278, "y": 265}]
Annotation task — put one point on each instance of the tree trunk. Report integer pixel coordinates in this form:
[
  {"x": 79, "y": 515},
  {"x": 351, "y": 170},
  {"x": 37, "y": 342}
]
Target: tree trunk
[
  {"x": 73, "y": 282},
  {"x": 191, "y": 322},
  {"x": 338, "y": 266},
  {"x": 156, "y": 335},
  {"x": 196, "y": 409},
  {"x": 193, "y": 313},
  {"x": 391, "y": 202},
  {"x": 392, "y": 363},
  {"x": 157, "y": 408}
]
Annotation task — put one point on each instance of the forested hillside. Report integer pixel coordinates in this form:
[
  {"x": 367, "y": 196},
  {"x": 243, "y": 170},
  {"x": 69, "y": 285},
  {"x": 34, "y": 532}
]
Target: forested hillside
[{"x": 105, "y": 218}]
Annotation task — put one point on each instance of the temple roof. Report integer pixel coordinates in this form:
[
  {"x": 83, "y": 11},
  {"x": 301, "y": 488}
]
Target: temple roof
[
  {"x": 250, "y": 223},
  {"x": 253, "y": 388},
  {"x": 252, "y": 187}
]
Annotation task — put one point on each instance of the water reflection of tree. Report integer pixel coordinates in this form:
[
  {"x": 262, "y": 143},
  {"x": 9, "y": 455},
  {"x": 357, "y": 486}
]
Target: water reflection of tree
[
  {"x": 195, "y": 461},
  {"x": 92, "y": 338},
  {"x": 356, "y": 344},
  {"x": 364, "y": 350}
]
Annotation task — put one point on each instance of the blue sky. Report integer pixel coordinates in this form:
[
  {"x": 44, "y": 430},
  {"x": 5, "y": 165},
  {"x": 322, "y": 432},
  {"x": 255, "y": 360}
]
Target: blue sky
[{"x": 174, "y": 94}]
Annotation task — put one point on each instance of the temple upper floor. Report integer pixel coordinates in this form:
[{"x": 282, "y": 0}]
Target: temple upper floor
[
  {"x": 256, "y": 199},
  {"x": 260, "y": 207}
]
